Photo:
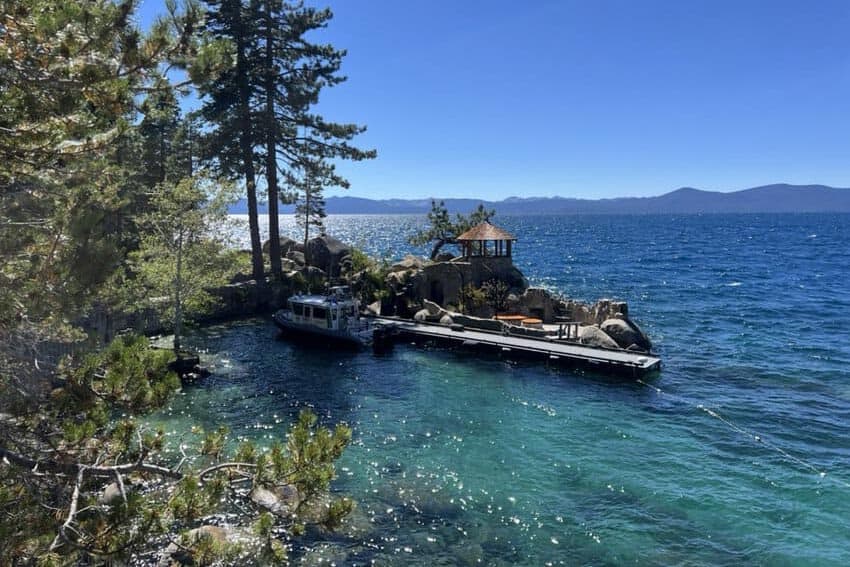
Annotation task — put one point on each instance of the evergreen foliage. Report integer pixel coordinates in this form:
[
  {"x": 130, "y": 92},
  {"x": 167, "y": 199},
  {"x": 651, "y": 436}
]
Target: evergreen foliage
[
  {"x": 260, "y": 105},
  {"x": 102, "y": 203},
  {"x": 113, "y": 488},
  {"x": 496, "y": 291},
  {"x": 441, "y": 230}
]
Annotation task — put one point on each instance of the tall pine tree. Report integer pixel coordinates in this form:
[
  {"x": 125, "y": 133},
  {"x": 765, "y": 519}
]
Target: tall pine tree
[
  {"x": 229, "y": 144},
  {"x": 290, "y": 73}
]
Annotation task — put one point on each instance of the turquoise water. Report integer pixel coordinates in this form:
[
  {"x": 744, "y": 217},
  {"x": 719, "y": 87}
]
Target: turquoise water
[{"x": 737, "y": 453}]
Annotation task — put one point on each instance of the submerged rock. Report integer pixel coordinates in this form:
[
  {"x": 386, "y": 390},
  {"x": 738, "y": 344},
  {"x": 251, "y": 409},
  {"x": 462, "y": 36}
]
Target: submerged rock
[
  {"x": 279, "y": 500},
  {"x": 175, "y": 554}
]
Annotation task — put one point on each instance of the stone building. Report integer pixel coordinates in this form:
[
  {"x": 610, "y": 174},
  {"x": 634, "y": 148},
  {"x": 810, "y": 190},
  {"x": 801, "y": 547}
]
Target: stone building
[{"x": 486, "y": 254}]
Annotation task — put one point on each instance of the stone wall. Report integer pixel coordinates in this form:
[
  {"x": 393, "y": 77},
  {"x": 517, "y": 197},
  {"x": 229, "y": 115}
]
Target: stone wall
[
  {"x": 442, "y": 282},
  {"x": 234, "y": 300}
]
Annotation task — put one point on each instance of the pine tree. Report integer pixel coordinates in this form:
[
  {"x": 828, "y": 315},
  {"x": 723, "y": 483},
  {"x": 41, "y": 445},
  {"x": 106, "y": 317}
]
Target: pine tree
[
  {"x": 310, "y": 203},
  {"x": 289, "y": 74},
  {"x": 441, "y": 230},
  {"x": 71, "y": 72},
  {"x": 229, "y": 146}
]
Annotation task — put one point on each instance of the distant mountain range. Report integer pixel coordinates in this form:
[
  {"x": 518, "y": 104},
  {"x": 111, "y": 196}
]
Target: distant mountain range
[{"x": 779, "y": 198}]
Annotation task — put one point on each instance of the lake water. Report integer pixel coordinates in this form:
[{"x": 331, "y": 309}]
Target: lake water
[{"x": 738, "y": 453}]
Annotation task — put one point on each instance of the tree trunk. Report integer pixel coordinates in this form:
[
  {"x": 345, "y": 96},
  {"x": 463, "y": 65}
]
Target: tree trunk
[
  {"x": 307, "y": 221},
  {"x": 178, "y": 296},
  {"x": 271, "y": 149},
  {"x": 438, "y": 245},
  {"x": 246, "y": 147}
]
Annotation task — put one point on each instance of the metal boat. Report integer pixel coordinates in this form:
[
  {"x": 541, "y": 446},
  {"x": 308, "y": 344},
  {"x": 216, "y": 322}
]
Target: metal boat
[{"x": 335, "y": 315}]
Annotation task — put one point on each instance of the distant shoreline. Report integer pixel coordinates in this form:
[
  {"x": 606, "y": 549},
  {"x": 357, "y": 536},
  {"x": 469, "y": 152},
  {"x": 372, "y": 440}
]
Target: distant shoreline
[{"x": 779, "y": 198}]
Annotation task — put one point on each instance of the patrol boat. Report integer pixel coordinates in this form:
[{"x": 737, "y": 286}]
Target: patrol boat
[{"x": 335, "y": 315}]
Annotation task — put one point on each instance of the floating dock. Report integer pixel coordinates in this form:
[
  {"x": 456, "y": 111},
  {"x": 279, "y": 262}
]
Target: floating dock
[{"x": 550, "y": 350}]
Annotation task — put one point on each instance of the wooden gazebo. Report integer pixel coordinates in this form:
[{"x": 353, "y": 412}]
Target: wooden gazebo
[{"x": 486, "y": 240}]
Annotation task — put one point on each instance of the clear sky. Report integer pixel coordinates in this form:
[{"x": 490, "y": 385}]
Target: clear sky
[{"x": 591, "y": 98}]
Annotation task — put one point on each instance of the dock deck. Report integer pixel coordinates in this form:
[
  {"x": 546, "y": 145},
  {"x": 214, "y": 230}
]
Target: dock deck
[{"x": 621, "y": 362}]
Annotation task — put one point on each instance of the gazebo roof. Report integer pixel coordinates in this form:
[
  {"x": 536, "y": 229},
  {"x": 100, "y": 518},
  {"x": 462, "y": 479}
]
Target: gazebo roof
[{"x": 486, "y": 231}]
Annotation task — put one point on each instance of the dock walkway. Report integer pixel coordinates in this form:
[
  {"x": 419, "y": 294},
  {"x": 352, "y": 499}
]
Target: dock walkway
[{"x": 621, "y": 362}]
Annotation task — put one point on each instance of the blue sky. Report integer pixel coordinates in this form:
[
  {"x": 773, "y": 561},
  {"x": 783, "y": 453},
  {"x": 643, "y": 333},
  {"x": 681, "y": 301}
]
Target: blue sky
[{"x": 592, "y": 98}]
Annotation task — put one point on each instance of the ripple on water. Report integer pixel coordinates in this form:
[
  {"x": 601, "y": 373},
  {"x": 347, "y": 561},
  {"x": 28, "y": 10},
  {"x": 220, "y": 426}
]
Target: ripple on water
[{"x": 458, "y": 460}]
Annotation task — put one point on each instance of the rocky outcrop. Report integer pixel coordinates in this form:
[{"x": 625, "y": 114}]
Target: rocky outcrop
[
  {"x": 296, "y": 257},
  {"x": 409, "y": 262},
  {"x": 432, "y": 308},
  {"x": 431, "y": 312},
  {"x": 538, "y": 302},
  {"x": 595, "y": 314},
  {"x": 626, "y": 334},
  {"x": 443, "y": 281},
  {"x": 327, "y": 253},
  {"x": 286, "y": 244},
  {"x": 596, "y": 337}
]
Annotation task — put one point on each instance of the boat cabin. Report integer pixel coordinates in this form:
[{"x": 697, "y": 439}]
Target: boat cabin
[{"x": 334, "y": 311}]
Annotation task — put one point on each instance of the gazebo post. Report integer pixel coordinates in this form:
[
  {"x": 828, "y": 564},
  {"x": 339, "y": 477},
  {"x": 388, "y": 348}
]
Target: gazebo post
[{"x": 475, "y": 242}]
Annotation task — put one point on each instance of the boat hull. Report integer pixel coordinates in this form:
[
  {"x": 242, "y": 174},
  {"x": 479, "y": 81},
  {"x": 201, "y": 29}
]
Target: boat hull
[{"x": 313, "y": 333}]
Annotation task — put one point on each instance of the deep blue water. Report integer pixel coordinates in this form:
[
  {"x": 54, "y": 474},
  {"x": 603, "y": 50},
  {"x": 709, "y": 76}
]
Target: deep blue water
[{"x": 738, "y": 453}]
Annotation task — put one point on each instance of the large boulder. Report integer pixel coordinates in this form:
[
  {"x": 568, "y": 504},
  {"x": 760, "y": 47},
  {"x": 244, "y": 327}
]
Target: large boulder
[
  {"x": 327, "y": 252},
  {"x": 313, "y": 274},
  {"x": 477, "y": 323},
  {"x": 296, "y": 257},
  {"x": 605, "y": 309},
  {"x": 409, "y": 262},
  {"x": 396, "y": 280},
  {"x": 595, "y": 337},
  {"x": 288, "y": 265},
  {"x": 433, "y": 308},
  {"x": 402, "y": 306},
  {"x": 111, "y": 495},
  {"x": 286, "y": 244},
  {"x": 595, "y": 314},
  {"x": 626, "y": 333},
  {"x": 577, "y": 311},
  {"x": 538, "y": 302}
]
